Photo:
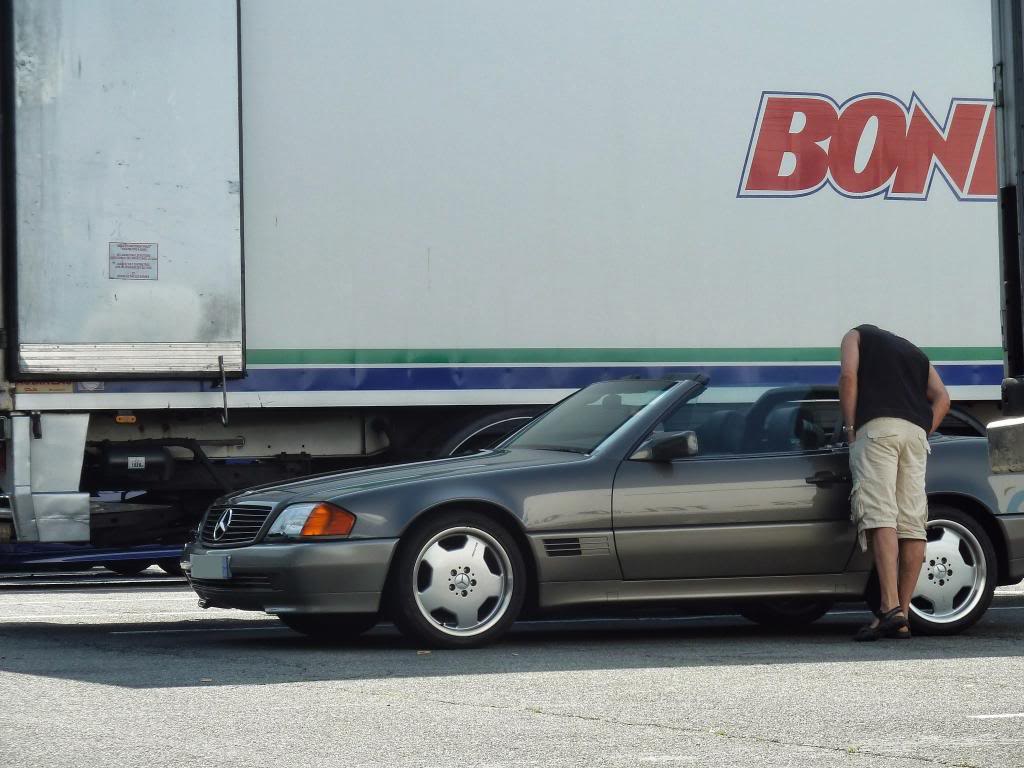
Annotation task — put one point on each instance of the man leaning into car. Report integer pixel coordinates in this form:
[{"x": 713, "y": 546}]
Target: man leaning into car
[{"x": 892, "y": 398}]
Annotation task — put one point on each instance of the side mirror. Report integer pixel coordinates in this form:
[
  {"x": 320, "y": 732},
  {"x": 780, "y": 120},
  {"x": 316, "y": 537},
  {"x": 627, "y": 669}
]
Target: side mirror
[{"x": 667, "y": 446}]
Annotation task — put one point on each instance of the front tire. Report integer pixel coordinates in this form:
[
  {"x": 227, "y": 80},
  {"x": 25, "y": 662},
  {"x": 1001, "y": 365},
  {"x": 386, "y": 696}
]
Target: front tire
[
  {"x": 958, "y": 575},
  {"x": 330, "y": 626},
  {"x": 459, "y": 581}
]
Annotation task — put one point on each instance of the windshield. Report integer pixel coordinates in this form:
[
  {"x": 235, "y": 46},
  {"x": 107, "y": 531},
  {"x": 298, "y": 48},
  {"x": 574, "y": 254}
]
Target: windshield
[{"x": 583, "y": 421}]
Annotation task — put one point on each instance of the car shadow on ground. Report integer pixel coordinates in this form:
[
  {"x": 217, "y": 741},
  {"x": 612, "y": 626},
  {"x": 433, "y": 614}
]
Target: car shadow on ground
[{"x": 246, "y": 652}]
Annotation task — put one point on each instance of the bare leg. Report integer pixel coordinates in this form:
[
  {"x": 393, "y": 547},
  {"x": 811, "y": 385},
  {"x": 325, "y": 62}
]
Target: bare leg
[
  {"x": 911, "y": 557},
  {"x": 886, "y": 549}
]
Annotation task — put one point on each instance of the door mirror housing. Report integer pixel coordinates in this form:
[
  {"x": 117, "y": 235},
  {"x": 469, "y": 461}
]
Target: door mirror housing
[{"x": 667, "y": 446}]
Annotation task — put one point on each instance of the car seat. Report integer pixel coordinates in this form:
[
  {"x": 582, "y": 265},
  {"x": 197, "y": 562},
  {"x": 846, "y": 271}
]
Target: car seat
[{"x": 721, "y": 432}]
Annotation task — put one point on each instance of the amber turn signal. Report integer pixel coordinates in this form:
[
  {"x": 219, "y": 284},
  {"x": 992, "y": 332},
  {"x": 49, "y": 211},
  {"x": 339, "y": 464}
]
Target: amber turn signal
[{"x": 328, "y": 520}]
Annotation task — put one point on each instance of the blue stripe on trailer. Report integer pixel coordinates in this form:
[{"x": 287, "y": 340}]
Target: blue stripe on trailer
[{"x": 355, "y": 378}]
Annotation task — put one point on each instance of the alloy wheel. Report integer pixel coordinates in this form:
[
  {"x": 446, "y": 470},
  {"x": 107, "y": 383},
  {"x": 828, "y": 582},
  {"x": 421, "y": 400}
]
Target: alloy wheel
[
  {"x": 462, "y": 581},
  {"x": 953, "y": 576}
]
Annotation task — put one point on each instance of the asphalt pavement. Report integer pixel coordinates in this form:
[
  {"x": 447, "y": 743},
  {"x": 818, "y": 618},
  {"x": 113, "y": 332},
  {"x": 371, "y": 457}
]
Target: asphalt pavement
[{"x": 129, "y": 675}]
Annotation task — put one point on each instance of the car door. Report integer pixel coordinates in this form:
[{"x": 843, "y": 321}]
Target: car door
[{"x": 757, "y": 503}]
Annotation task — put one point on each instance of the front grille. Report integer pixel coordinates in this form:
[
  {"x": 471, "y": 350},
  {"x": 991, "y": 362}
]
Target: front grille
[
  {"x": 243, "y": 526},
  {"x": 243, "y": 581}
]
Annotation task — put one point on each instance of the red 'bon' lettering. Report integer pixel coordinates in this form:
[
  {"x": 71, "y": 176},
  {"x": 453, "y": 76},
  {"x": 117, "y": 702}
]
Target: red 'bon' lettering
[{"x": 872, "y": 144}]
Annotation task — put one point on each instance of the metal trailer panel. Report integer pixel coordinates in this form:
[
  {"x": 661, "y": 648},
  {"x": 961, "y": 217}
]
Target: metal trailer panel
[
  {"x": 552, "y": 177},
  {"x": 128, "y": 187},
  {"x": 455, "y": 203}
]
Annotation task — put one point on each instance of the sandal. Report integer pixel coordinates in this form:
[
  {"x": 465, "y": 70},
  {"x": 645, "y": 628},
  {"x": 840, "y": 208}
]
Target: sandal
[{"x": 891, "y": 624}]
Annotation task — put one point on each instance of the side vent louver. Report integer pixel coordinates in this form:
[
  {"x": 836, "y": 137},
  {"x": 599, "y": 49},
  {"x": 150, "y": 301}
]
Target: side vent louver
[{"x": 576, "y": 546}]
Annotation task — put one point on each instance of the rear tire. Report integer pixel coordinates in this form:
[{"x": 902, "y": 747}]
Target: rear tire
[
  {"x": 330, "y": 626},
  {"x": 961, "y": 561},
  {"x": 786, "y": 612},
  {"x": 459, "y": 581}
]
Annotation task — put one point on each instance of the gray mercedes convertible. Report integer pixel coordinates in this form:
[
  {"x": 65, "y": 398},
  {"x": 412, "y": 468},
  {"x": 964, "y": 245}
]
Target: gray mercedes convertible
[{"x": 632, "y": 493}]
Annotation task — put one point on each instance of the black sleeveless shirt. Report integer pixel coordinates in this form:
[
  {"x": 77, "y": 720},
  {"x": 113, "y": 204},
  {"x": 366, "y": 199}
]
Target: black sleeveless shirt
[{"x": 892, "y": 379}]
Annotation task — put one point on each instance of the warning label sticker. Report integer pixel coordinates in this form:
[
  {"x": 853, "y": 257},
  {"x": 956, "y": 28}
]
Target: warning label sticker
[
  {"x": 43, "y": 387},
  {"x": 134, "y": 261}
]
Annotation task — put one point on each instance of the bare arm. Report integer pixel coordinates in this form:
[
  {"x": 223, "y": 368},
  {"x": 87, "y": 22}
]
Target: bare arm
[
  {"x": 938, "y": 397},
  {"x": 850, "y": 362}
]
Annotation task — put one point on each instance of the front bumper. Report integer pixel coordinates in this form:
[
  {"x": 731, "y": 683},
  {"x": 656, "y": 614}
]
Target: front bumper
[{"x": 300, "y": 577}]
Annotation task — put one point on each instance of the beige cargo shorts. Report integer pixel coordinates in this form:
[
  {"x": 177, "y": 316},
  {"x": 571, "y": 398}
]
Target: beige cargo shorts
[{"x": 888, "y": 461}]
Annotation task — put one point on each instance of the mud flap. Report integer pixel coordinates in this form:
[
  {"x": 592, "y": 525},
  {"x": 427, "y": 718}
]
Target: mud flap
[{"x": 44, "y": 468}]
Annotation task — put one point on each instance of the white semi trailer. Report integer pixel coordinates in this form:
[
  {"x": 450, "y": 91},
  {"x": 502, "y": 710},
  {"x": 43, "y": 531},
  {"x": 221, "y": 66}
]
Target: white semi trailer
[{"x": 245, "y": 241}]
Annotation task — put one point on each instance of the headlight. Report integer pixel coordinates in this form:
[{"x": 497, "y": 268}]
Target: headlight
[{"x": 300, "y": 521}]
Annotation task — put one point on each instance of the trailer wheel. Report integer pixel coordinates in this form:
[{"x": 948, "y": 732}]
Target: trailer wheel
[
  {"x": 486, "y": 431},
  {"x": 127, "y": 567},
  {"x": 171, "y": 566}
]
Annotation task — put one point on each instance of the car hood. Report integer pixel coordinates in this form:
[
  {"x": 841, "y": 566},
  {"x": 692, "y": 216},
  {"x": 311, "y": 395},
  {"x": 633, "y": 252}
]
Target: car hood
[{"x": 323, "y": 487}]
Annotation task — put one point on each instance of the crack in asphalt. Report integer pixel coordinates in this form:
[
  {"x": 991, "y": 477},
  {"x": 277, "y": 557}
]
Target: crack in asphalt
[{"x": 694, "y": 731}]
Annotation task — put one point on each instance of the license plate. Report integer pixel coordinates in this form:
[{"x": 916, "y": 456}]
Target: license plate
[{"x": 211, "y": 566}]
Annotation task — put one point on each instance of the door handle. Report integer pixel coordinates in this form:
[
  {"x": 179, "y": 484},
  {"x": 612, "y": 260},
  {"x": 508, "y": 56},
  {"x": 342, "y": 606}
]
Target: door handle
[{"x": 826, "y": 478}]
